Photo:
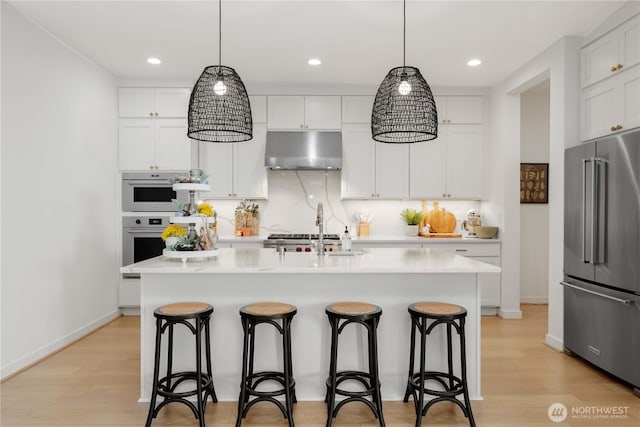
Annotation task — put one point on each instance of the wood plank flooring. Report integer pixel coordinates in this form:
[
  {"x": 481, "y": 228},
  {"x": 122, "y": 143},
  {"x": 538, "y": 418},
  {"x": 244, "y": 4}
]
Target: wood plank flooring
[{"x": 95, "y": 383}]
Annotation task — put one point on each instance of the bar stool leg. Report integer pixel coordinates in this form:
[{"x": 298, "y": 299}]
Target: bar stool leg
[
  {"x": 409, "y": 391},
  {"x": 450, "y": 356},
  {"x": 463, "y": 374},
  {"x": 286, "y": 336},
  {"x": 199, "y": 405},
  {"x": 156, "y": 373},
  {"x": 331, "y": 389},
  {"x": 207, "y": 336},
  {"x": 423, "y": 339},
  {"x": 243, "y": 385},
  {"x": 375, "y": 373},
  {"x": 170, "y": 357},
  {"x": 294, "y": 399}
]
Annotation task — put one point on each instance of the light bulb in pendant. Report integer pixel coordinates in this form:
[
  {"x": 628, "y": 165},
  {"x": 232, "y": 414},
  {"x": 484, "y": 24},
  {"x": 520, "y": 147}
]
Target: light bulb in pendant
[
  {"x": 404, "y": 88},
  {"x": 219, "y": 88}
]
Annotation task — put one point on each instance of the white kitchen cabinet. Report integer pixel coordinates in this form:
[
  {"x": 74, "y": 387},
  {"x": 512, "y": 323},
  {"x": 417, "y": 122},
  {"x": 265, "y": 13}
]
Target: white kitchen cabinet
[
  {"x": 372, "y": 169},
  {"x": 611, "y": 105},
  {"x": 258, "y": 108},
  {"x": 235, "y": 170},
  {"x": 459, "y": 109},
  {"x": 357, "y": 109},
  {"x": 304, "y": 112},
  {"x": 153, "y": 102},
  {"x": 450, "y": 166},
  {"x": 154, "y": 144},
  {"x": 614, "y": 52}
]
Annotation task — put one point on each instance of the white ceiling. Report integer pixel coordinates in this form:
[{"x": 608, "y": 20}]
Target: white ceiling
[{"x": 358, "y": 41}]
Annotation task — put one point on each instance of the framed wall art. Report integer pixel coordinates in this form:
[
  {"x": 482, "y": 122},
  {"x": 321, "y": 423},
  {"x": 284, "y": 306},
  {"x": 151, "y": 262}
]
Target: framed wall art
[{"x": 534, "y": 182}]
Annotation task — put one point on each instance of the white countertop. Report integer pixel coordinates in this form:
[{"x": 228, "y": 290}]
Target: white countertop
[
  {"x": 372, "y": 239},
  {"x": 266, "y": 261}
]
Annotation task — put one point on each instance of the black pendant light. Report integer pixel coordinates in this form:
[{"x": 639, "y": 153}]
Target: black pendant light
[
  {"x": 404, "y": 110},
  {"x": 219, "y": 108}
]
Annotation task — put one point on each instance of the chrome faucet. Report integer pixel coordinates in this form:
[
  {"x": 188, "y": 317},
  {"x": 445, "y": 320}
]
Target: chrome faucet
[{"x": 319, "y": 223}]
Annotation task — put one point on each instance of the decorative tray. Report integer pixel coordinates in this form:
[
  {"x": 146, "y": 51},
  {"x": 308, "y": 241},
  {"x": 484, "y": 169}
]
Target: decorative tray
[
  {"x": 193, "y": 219},
  {"x": 191, "y": 186},
  {"x": 185, "y": 255}
]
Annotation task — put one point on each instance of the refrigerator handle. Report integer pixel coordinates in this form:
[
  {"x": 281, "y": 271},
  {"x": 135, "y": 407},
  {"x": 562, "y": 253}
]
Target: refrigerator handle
[
  {"x": 599, "y": 195},
  {"x": 623, "y": 301},
  {"x": 594, "y": 210},
  {"x": 584, "y": 210}
]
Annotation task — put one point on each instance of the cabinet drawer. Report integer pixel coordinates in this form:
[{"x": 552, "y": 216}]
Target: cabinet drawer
[{"x": 467, "y": 249}]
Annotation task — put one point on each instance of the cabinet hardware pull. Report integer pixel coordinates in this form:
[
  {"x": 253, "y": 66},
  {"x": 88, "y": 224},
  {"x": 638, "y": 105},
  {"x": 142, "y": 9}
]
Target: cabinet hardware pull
[
  {"x": 151, "y": 167},
  {"x": 618, "y": 127},
  {"x": 156, "y": 114},
  {"x": 301, "y": 126},
  {"x": 461, "y": 250},
  {"x": 151, "y": 114},
  {"x": 613, "y": 128},
  {"x": 618, "y": 66},
  {"x": 623, "y": 301},
  {"x": 614, "y": 68}
]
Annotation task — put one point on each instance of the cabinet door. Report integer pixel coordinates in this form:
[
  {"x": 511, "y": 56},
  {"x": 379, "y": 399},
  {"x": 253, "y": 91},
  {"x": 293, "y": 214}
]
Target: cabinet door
[
  {"x": 173, "y": 147},
  {"x": 464, "y": 109},
  {"x": 322, "y": 112},
  {"x": 599, "y": 109},
  {"x": 258, "y": 108},
  {"x": 358, "y": 162},
  {"x": 630, "y": 43},
  {"x": 136, "y": 102},
  {"x": 172, "y": 102},
  {"x": 630, "y": 97},
  {"x": 217, "y": 160},
  {"x": 136, "y": 144},
  {"x": 464, "y": 161},
  {"x": 392, "y": 171},
  {"x": 285, "y": 112},
  {"x": 249, "y": 171},
  {"x": 357, "y": 109},
  {"x": 490, "y": 284},
  {"x": 426, "y": 171},
  {"x": 598, "y": 58},
  {"x": 441, "y": 108}
]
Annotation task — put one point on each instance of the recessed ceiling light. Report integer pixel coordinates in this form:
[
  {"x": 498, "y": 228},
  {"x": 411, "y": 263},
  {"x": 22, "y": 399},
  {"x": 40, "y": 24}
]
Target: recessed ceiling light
[
  {"x": 474, "y": 62},
  {"x": 154, "y": 61},
  {"x": 314, "y": 61}
]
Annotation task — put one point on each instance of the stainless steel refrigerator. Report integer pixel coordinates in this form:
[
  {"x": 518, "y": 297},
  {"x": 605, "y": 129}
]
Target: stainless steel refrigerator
[{"x": 602, "y": 254}]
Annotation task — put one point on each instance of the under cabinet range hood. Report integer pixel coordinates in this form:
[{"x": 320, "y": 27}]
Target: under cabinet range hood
[{"x": 310, "y": 150}]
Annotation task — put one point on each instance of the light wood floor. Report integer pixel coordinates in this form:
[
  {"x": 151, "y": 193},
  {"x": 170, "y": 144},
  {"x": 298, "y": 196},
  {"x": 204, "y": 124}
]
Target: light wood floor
[{"x": 95, "y": 383}]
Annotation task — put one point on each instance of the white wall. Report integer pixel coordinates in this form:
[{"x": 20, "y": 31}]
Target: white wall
[
  {"x": 59, "y": 216},
  {"x": 534, "y": 218},
  {"x": 293, "y": 198}
]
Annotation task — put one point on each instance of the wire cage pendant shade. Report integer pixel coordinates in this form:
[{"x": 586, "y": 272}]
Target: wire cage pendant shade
[
  {"x": 404, "y": 118},
  {"x": 217, "y": 117},
  {"x": 404, "y": 110}
]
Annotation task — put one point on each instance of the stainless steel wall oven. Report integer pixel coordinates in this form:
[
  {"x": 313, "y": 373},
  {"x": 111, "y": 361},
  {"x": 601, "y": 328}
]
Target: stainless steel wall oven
[{"x": 142, "y": 238}]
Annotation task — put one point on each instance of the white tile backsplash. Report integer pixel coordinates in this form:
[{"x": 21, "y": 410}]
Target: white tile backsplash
[{"x": 294, "y": 195}]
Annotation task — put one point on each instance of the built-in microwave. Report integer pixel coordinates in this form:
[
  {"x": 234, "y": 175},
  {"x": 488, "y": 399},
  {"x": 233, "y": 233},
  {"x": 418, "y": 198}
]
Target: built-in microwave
[{"x": 150, "y": 192}]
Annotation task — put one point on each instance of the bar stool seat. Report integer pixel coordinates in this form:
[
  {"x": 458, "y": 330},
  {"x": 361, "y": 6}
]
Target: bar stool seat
[
  {"x": 449, "y": 385},
  {"x": 167, "y": 317},
  {"x": 341, "y": 314},
  {"x": 278, "y": 315}
]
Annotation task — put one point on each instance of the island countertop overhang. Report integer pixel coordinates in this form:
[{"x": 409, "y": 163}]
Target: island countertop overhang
[{"x": 269, "y": 261}]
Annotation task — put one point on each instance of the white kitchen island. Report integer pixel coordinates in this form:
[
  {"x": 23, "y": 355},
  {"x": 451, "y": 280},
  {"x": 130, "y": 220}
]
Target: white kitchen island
[{"x": 390, "y": 278}]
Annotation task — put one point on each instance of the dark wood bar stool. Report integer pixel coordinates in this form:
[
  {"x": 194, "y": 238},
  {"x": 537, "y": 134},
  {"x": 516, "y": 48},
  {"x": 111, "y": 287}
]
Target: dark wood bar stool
[
  {"x": 453, "y": 317},
  {"x": 340, "y": 315},
  {"x": 167, "y": 317},
  {"x": 279, "y": 315}
]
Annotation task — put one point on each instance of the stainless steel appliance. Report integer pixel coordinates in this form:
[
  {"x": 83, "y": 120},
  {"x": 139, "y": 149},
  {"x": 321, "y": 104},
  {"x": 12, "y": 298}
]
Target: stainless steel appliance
[
  {"x": 602, "y": 254},
  {"x": 319, "y": 150},
  {"x": 472, "y": 221},
  {"x": 301, "y": 242},
  {"x": 150, "y": 192},
  {"x": 142, "y": 238}
]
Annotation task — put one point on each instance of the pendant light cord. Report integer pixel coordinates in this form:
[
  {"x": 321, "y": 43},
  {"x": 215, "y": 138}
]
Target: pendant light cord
[
  {"x": 219, "y": 33},
  {"x": 404, "y": 33}
]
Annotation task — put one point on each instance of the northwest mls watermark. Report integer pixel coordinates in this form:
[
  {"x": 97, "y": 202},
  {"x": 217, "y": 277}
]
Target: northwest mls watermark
[{"x": 558, "y": 412}]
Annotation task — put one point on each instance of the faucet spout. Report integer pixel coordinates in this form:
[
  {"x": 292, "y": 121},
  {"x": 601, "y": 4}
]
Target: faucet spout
[{"x": 320, "y": 224}]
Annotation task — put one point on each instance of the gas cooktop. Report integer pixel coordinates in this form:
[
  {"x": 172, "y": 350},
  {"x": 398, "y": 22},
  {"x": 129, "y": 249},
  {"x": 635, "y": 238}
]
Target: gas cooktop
[{"x": 302, "y": 236}]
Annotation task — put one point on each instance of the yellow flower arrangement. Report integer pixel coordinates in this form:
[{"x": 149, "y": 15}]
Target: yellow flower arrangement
[
  {"x": 173, "y": 230},
  {"x": 206, "y": 209}
]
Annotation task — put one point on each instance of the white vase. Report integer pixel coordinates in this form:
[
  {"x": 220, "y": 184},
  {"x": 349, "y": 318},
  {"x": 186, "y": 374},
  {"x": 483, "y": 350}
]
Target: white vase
[
  {"x": 412, "y": 230},
  {"x": 171, "y": 242}
]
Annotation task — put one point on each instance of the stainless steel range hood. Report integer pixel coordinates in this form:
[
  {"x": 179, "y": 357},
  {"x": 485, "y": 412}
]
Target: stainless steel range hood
[{"x": 311, "y": 150}]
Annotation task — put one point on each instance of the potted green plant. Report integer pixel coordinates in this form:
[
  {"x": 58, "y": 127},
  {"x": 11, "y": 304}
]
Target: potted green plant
[{"x": 412, "y": 217}]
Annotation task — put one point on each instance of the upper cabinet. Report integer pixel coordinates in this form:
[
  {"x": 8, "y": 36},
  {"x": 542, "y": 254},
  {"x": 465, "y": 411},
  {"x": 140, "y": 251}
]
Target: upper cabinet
[
  {"x": 459, "y": 109},
  {"x": 611, "y": 81},
  {"x": 357, "y": 109},
  {"x": 304, "y": 112},
  {"x": 153, "y": 129},
  {"x": 153, "y": 102},
  {"x": 614, "y": 52}
]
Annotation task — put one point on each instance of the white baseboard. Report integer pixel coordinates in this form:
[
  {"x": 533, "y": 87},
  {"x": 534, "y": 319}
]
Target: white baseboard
[
  {"x": 130, "y": 311},
  {"x": 534, "y": 300},
  {"x": 488, "y": 311},
  {"x": 510, "y": 314},
  {"x": 47, "y": 350},
  {"x": 554, "y": 342}
]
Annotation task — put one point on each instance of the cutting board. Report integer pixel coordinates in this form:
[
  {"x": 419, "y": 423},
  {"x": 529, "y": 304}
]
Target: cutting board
[{"x": 441, "y": 235}]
